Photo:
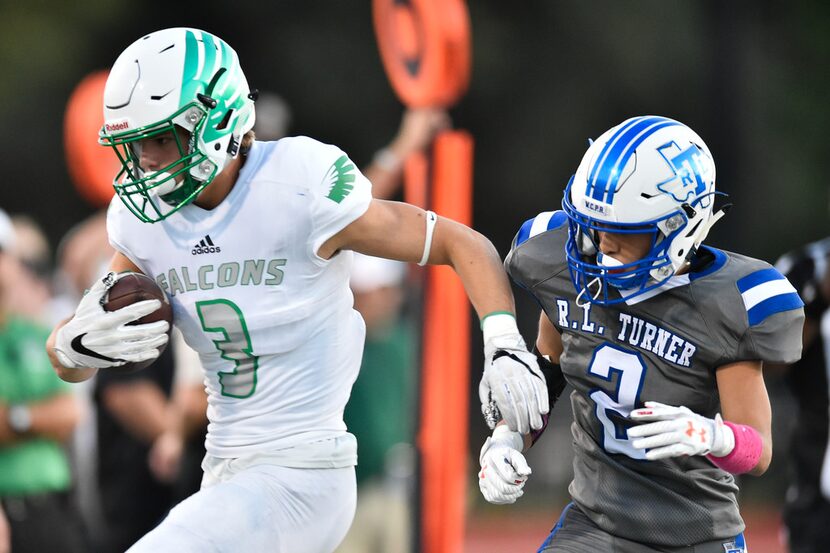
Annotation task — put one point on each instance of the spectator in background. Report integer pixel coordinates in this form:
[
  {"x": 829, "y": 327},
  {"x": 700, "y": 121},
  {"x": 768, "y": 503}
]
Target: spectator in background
[
  {"x": 807, "y": 508},
  {"x": 146, "y": 426},
  {"x": 5, "y": 533},
  {"x": 176, "y": 454},
  {"x": 37, "y": 416},
  {"x": 32, "y": 272},
  {"x": 380, "y": 410}
]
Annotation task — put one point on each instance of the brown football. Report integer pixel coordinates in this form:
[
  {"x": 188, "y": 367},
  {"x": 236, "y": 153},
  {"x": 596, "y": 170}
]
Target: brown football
[{"x": 129, "y": 289}]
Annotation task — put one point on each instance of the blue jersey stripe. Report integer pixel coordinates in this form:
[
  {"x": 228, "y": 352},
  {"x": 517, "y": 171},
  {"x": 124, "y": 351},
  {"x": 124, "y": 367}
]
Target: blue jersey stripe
[
  {"x": 558, "y": 219},
  {"x": 602, "y": 172},
  {"x": 775, "y": 304},
  {"x": 758, "y": 277},
  {"x": 524, "y": 232},
  {"x": 543, "y": 222},
  {"x": 617, "y": 171}
]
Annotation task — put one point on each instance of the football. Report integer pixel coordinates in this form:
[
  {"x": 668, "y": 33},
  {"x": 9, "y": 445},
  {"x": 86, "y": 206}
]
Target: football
[{"x": 132, "y": 288}]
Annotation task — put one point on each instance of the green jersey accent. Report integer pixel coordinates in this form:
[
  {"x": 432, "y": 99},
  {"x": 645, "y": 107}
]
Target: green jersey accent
[
  {"x": 224, "y": 316},
  {"x": 37, "y": 465},
  {"x": 342, "y": 176},
  {"x": 251, "y": 272}
]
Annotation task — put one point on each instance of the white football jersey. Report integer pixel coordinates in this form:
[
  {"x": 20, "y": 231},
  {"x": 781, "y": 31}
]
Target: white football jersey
[{"x": 272, "y": 321}]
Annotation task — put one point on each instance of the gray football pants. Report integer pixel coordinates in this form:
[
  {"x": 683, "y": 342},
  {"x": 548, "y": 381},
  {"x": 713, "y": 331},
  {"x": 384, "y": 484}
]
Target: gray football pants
[{"x": 576, "y": 533}]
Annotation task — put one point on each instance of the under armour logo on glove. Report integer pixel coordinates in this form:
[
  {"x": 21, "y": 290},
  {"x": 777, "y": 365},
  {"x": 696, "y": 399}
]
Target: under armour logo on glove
[
  {"x": 691, "y": 431},
  {"x": 676, "y": 431}
]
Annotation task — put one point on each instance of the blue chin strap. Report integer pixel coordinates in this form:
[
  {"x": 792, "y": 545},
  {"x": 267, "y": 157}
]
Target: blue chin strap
[{"x": 605, "y": 281}]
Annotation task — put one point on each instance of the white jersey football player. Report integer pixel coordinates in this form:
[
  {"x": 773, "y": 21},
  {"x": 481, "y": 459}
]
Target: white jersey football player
[{"x": 252, "y": 241}]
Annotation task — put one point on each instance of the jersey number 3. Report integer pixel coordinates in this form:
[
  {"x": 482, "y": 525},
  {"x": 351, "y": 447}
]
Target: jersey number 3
[
  {"x": 629, "y": 368},
  {"x": 225, "y": 316}
]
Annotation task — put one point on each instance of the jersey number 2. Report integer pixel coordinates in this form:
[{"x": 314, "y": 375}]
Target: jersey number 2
[
  {"x": 630, "y": 370},
  {"x": 225, "y": 316}
]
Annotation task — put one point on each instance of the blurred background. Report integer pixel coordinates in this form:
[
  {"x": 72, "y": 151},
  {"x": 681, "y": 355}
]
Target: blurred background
[{"x": 547, "y": 75}]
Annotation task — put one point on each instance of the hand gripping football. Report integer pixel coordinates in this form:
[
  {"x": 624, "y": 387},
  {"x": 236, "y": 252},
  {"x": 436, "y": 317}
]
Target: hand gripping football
[{"x": 131, "y": 288}]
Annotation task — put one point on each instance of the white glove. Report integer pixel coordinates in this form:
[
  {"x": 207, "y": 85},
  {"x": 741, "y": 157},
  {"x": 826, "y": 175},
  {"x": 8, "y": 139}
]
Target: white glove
[
  {"x": 99, "y": 339},
  {"x": 504, "y": 469},
  {"x": 512, "y": 386},
  {"x": 678, "y": 431}
]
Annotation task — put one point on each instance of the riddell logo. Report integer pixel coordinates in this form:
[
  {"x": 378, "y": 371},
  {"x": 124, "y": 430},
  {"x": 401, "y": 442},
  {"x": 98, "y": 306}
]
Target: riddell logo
[
  {"x": 205, "y": 245},
  {"x": 123, "y": 125}
]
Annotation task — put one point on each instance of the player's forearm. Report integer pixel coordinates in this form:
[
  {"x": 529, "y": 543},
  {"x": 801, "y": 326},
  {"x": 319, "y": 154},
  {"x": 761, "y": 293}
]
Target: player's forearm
[
  {"x": 478, "y": 265},
  {"x": 65, "y": 374}
]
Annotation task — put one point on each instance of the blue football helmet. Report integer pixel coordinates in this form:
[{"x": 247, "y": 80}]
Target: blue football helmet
[{"x": 648, "y": 175}]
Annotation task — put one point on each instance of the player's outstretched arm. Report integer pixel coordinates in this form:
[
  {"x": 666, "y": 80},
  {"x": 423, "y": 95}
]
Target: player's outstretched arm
[
  {"x": 512, "y": 379},
  {"x": 94, "y": 338}
]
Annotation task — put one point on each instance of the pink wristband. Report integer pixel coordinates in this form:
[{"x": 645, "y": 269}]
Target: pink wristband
[{"x": 747, "y": 451}]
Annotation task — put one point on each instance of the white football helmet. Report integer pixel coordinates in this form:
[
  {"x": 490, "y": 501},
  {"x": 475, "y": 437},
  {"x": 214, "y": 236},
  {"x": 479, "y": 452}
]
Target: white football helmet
[
  {"x": 174, "y": 77},
  {"x": 647, "y": 175}
]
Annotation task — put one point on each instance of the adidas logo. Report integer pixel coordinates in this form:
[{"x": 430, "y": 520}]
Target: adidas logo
[{"x": 205, "y": 245}]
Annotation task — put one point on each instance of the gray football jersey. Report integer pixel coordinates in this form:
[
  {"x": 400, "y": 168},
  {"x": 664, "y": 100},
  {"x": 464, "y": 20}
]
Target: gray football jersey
[{"x": 663, "y": 346}]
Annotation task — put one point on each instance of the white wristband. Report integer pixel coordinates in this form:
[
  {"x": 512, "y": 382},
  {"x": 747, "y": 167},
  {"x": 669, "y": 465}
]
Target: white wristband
[
  {"x": 431, "y": 218},
  {"x": 498, "y": 324}
]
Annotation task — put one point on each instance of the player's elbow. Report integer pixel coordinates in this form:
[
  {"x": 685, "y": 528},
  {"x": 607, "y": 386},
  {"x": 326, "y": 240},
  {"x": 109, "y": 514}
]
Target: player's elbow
[{"x": 765, "y": 459}]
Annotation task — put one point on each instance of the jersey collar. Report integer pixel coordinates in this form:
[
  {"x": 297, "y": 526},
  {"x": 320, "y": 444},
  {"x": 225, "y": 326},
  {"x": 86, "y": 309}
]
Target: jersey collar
[{"x": 684, "y": 279}]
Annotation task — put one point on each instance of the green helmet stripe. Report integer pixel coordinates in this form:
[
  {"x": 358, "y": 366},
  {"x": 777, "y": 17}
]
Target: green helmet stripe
[
  {"x": 211, "y": 60},
  {"x": 231, "y": 65},
  {"x": 191, "y": 66}
]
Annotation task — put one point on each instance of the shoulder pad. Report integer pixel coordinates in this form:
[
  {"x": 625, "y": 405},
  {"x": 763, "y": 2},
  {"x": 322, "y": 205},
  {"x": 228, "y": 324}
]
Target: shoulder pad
[
  {"x": 766, "y": 292},
  {"x": 543, "y": 222}
]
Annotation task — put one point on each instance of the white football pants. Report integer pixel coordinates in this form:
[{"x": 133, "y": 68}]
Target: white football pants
[{"x": 259, "y": 508}]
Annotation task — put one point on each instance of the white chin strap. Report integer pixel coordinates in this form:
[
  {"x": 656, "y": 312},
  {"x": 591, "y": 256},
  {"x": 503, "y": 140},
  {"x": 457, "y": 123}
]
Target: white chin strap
[
  {"x": 596, "y": 282},
  {"x": 707, "y": 226}
]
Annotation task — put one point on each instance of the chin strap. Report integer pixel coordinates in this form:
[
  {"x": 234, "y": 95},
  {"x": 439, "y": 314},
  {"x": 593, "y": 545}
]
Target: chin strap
[
  {"x": 598, "y": 283},
  {"x": 707, "y": 226}
]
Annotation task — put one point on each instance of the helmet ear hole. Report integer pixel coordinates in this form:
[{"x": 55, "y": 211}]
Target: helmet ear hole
[{"x": 225, "y": 120}]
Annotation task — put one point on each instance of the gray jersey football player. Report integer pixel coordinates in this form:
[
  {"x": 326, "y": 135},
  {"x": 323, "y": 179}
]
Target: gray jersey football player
[{"x": 662, "y": 340}]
